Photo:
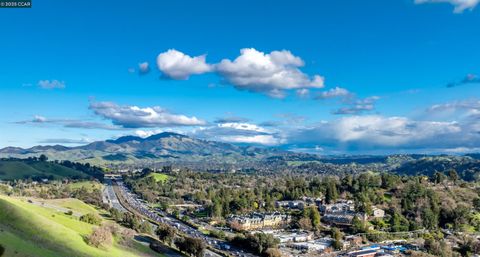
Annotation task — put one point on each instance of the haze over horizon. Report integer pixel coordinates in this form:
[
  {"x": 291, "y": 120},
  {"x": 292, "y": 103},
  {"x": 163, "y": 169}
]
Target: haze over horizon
[{"x": 327, "y": 77}]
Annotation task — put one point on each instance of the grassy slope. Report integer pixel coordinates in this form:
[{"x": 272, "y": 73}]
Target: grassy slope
[
  {"x": 89, "y": 185},
  {"x": 16, "y": 170},
  {"x": 10, "y": 170},
  {"x": 29, "y": 230},
  {"x": 159, "y": 176}
]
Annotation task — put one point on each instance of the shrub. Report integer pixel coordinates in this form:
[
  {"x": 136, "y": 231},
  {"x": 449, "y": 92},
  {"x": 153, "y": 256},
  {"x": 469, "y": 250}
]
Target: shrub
[
  {"x": 91, "y": 218},
  {"x": 100, "y": 236},
  {"x": 2, "y": 250}
]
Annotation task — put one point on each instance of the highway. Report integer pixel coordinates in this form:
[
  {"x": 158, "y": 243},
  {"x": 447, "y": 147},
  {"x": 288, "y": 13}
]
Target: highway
[{"x": 159, "y": 216}]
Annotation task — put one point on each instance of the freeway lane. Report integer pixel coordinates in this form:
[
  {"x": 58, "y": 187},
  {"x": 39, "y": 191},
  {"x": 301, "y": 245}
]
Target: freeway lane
[
  {"x": 142, "y": 208},
  {"x": 110, "y": 197}
]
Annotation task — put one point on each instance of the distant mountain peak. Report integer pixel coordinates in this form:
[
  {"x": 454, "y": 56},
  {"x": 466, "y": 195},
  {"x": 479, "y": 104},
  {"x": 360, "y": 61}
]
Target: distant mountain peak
[
  {"x": 165, "y": 135},
  {"x": 125, "y": 139}
]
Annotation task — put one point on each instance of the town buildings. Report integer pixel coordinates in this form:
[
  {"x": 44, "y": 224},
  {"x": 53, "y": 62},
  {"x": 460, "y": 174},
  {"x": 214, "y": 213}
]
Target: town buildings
[{"x": 256, "y": 221}]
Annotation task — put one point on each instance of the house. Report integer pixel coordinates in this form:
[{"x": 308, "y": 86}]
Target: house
[
  {"x": 363, "y": 253},
  {"x": 290, "y": 204},
  {"x": 255, "y": 221},
  {"x": 296, "y": 236},
  {"x": 353, "y": 240},
  {"x": 377, "y": 212},
  {"x": 344, "y": 218},
  {"x": 339, "y": 206}
]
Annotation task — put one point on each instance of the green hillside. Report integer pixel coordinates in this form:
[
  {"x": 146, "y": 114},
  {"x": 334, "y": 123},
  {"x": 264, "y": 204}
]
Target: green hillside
[
  {"x": 28, "y": 230},
  {"x": 159, "y": 177},
  {"x": 16, "y": 169}
]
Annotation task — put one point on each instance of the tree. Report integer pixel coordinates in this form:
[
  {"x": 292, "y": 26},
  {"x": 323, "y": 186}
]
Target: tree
[
  {"x": 399, "y": 223},
  {"x": 438, "y": 177},
  {"x": 43, "y": 158},
  {"x": 313, "y": 215},
  {"x": 358, "y": 225},
  {"x": 145, "y": 227},
  {"x": 166, "y": 233},
  {"x": 332, "y": 193},
  {"x": 337, "y": 236},
  {"x": 116, "y": 214},
  {"x": 258, "y": 242},
  {"x": 453, "y": 175},
  {"x": 192, "y": 246},
  {"x": 305, "y": 223},
  {"x": 91, "y": 218}
]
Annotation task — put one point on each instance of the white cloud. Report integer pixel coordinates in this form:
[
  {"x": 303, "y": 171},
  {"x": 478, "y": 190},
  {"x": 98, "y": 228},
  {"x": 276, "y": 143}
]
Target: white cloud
[
  {"x": 39, "y": 119},
  {"x": 242, "y": 126},
  {"x": 456, "y": 110},
  {"x": 147, "y": 133},
  {"x": 255, "y": 139},
  {"x": 177, "y": 65},
  {"x": 335, "y": 92},
  {"x": 271, "y": 73},
  {"x": 303, "y": 92},
  {"x": 69, "y": 123},
  {"x": 144, "y": 67},
  {"x": 137, "y": 117},
  {"x": 459, "y": 5},
  {"x": 47, "y": 84},
  {"x": 378, "y": 132},
  {"x": 359, "y": 106},
  {"x": 80, "y": 141},
  {"x": 238, "y": 132}
]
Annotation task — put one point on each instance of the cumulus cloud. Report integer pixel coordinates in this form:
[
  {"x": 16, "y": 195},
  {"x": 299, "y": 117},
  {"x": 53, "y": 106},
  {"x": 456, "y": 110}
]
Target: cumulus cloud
[
  {"x": 378, "y": 132},
  {"x": 459, "y": 5},
  {"x": 359, "y": 106},
  {"x": 469, "y": 79},
  {"x": 176, "y": 65},
  {"x": 334, "y": 93},
  {"x": 271, "y": 73},
  {"x": 53, "y": 84},
  {"x": 457, "y": 110},
  {"x": 137, "y": 117},
  {"x": 237, "y": 132}
]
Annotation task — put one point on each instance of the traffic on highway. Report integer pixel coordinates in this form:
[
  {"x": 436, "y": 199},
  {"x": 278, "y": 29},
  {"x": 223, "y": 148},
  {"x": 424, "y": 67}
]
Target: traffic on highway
[{"x": 157, "y": 215}]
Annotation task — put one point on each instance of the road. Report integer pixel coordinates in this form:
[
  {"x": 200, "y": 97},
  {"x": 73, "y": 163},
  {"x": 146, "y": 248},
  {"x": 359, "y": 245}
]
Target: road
[
  {"x": 159, "y": 216},
  {"x": 110, "y": 198}
]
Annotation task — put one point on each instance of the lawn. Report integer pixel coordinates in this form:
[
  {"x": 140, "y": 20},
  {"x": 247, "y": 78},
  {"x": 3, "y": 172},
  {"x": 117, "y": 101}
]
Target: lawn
[{"x": 30, "y": 230}]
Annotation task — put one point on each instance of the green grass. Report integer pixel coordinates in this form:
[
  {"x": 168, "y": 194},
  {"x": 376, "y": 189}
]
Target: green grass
[
  {"x": 29, "y": 230},
  {"x": 15, "y": 170},
  {"x": 10, "y": 170},
  {"x": 159, "y": 177},
  {"x": 89, "y": 185},
  {"x": 71, "y": 204}
]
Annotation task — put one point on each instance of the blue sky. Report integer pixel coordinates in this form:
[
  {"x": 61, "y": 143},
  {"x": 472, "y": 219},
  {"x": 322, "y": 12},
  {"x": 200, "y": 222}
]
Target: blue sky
[{"x": 319, "y": 76}]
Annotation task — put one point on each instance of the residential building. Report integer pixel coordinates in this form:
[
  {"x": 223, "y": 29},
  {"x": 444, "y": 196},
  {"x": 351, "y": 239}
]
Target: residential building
[{"x": 255, "y": 221}]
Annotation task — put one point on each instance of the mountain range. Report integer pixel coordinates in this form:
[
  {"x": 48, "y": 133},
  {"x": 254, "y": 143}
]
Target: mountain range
[{"x": 166, "y": 146}]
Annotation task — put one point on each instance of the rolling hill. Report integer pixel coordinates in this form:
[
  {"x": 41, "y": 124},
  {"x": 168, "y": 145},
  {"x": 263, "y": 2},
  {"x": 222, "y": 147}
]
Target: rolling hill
[
  {"x": 28, "y": 230},
  {"x": 23, "y": 169}
]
